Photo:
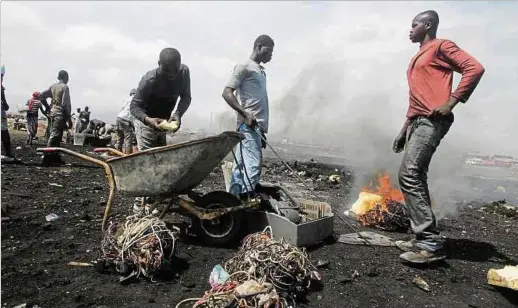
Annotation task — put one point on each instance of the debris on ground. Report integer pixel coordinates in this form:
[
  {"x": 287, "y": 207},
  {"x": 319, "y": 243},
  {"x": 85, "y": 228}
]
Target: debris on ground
[
  {"x": 501, "y": 207},
  {"x": 323, "y": 263},
  {"x": 334, "y": 179},
  {"x": 51, "y": 217},
  {"x": 421, "y": 284},
  {"x": 506, "y": 277},
  {"x": 263, "y": 272},
  {"x": 366, "y": 238},
  {"x": 474, "y": 253},
  {"x": 81, "y": 264},
  {"x": 140, "y": 246}
]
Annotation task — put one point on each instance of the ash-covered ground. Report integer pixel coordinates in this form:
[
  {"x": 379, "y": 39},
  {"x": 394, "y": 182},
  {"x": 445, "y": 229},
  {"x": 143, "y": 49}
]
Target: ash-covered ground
[{"x": 35, "y": 253}]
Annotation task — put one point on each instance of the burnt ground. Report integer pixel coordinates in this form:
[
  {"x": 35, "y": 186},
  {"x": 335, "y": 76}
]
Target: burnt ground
[{"x": 35, "y": 253}]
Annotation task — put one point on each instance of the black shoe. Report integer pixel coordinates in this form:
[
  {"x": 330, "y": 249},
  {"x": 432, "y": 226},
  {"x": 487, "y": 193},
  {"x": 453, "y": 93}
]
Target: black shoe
[
  {"x": 52, "y": 160},
  {"x": 11, "y": 160}
]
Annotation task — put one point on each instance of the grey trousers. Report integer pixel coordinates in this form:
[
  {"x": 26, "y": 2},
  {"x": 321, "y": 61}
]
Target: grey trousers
[
  {"x": 125, "y": 135},
  {"x": 423, "y": 137},
  {"x": 57, "y": 126},
  {"x": 147, "y": 137}
]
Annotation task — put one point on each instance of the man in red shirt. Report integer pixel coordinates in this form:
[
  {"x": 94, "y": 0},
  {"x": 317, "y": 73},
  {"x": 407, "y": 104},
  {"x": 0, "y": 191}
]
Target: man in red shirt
[{"x": 429, "y": 117}]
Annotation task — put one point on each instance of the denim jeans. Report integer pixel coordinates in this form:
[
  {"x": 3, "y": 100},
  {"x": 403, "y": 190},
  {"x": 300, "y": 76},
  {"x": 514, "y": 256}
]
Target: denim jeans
[
  {"x": 246, "y": 172},
  {"x": 423, "y": 137}
]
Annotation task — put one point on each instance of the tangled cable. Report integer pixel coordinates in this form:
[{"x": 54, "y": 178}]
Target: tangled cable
[
  {"x": 279, "y": 263},
  {"x": 144, "y": 243},
  {"x": 260, "y": 269}
]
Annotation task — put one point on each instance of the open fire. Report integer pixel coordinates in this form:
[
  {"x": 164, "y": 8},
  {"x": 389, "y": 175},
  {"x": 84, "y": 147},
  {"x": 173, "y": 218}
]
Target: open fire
[{"x": 381, "y": 207}]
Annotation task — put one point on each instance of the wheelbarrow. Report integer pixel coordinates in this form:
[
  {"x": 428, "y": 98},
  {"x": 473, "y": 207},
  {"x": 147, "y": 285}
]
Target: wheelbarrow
[{"x": 172, "y": 172}]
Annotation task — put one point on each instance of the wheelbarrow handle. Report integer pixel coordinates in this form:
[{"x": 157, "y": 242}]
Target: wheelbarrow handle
[
  {"x": 107, "y": 168},
  {"x": 47, "y": 150}
]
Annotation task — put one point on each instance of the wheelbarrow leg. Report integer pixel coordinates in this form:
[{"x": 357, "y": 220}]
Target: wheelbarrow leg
[
  {"x": 111, "y": 182},
  {"x": 107, "y": 168}
]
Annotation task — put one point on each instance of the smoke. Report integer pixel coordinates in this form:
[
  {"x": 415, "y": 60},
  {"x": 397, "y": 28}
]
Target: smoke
[{"x": 330, "y": 105}]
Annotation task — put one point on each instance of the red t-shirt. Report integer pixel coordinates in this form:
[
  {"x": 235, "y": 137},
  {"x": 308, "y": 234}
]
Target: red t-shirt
[{"x": 430, "y": 76}]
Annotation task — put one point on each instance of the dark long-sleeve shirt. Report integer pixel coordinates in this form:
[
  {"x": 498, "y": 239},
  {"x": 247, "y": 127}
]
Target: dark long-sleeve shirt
[
  {"x": 430, "y": 76},
  {"x": 156, "y": 97},
  {"x": 5, "y": 106}
]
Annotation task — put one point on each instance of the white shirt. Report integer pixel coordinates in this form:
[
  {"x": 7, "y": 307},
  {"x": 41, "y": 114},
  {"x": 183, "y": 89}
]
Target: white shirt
[{"x": 125, "y": 113}]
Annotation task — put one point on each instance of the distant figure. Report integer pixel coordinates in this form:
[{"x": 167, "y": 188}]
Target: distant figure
[
  {"x": 429, "y": 119},
  {"x": 248, "y": 80},
  {"x": 77, "y": 125},
  {"x": 94, "y": 126},
  {"x": 60, "y": 112},
  {"x": 33, "y": 107},
  {"x": 6, "y": 138},
  {"x": 83, "y": 119},
  {"x": 126, "y": 140},
  {"x": 106, "y": 130},
  {"x": 155, "y": 100}
]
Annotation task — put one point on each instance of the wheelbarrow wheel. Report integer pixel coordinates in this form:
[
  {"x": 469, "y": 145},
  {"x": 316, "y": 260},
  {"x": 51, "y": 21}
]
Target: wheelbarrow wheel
[{"x": 224, "y": 229}]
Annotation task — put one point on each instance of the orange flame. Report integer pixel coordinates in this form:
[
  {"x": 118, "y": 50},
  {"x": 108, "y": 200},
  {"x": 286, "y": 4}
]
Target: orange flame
[
  {"x": 385, "y": 189},
  {"x": 371, "y": 197}
]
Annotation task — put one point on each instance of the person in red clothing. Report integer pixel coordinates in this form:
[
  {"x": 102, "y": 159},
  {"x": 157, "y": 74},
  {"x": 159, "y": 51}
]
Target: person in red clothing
[{"x": 429, "y": 117}]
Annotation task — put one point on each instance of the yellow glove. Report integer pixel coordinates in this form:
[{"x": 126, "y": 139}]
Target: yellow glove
[{"x": 169, "y": 126}]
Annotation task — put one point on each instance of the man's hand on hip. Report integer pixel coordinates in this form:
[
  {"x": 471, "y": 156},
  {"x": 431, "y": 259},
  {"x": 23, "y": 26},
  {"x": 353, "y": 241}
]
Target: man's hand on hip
[
  {"x": 446, "y": 108},
  {"x": 443, "y": 110},
  {"x": 250, "y": 120}
]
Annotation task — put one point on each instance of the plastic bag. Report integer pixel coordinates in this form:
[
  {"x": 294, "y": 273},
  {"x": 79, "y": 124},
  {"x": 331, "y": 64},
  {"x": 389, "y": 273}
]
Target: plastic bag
[{"x": 218, "y": 276}]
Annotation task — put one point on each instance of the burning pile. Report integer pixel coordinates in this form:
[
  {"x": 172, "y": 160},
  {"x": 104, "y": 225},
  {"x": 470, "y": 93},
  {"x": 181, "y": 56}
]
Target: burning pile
[
  {"x": 142, "y": 245},
  {"x": 381, "y": 208},
  {"x": 263, "y": 273}
]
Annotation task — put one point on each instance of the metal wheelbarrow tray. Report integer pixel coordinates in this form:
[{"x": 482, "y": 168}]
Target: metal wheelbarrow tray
[{"x": 170, "y": 171}]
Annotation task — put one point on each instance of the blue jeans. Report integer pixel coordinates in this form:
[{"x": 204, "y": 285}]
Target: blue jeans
[
  {"x": 423, "y": 138},
  {"x": 246, "y": 172}
]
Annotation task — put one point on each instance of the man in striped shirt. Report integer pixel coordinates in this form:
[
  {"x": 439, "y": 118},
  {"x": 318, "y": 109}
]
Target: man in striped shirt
[{"x": 33, "y": 105}]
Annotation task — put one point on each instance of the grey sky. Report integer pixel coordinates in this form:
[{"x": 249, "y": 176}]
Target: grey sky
[{"x": 342, "y": 63}]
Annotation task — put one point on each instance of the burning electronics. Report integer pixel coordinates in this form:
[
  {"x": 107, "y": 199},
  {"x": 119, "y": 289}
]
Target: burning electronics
[{"x": 381, "y": 207}]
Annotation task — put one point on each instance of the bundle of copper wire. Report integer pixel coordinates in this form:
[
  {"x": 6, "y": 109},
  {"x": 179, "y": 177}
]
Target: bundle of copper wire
[{"x": 143, "y": 243}]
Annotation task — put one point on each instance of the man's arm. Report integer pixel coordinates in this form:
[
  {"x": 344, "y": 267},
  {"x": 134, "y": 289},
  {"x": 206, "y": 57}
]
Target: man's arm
[
  {"x": 185, "y": 96},
  {"x": 65, "y": 101},
  {"x": 43, "y": 98},
  {"x": 4, "y": 100},
  {"x": 141, "y": 99},
  {"x": 238, "y": 75},
  {"x": 462, "y": 62}
]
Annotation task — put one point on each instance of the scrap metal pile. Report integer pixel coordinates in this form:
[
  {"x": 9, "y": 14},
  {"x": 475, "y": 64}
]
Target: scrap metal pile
[
  {"x": 389, "y": 215},
  {"x": 381, "y": 207},
  {"x": 141, "y": 246},
  {"x": 263, "y": 273}
]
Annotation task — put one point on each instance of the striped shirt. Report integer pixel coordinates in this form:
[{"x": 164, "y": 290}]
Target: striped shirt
[{"x": 33, "y": 106}]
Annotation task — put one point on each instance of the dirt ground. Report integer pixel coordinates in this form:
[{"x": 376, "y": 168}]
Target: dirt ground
[{"x": 35, "y": 253}]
